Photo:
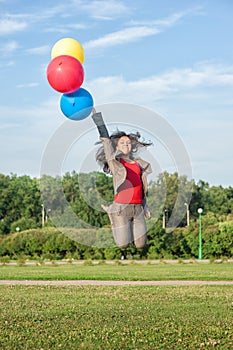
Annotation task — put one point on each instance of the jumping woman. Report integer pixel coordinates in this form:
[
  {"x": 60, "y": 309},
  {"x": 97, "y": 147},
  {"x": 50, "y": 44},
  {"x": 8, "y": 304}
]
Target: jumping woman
[{"x": 117, "y": 156}]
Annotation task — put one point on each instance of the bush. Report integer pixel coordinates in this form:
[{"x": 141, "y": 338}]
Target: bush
[{"x": 23, "y": 224}]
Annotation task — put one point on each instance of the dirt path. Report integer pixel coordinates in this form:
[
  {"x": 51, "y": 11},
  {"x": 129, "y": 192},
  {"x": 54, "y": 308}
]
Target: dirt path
[{"x": 109, "y": 283}]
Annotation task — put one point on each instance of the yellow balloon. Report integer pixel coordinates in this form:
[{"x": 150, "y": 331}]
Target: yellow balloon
[{"x": 69, "y": 47}]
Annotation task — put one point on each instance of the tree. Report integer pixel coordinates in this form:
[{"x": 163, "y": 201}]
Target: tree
[
  {"x": 20, "y": 197},
  {"x": 170, "y": 193}
]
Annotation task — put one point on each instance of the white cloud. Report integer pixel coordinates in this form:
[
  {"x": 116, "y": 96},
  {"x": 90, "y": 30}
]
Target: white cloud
[
  {"x": 162, "y": 23},
  {"x": 77, "y": 26},
  {"x": 9, "y": 26},
  {"x": 121, "y": 37},
  {"x": 204, "y": 73},
  {"x": 135, "y": 32},
  {"x": 154, "y": 88},
  {"x": 8, "y": 48},
  {"x": 34, "y": 126},
  {"x": 66, "y": 29},
  {"x": 103, "y": 9},
  {"x": 26, "y": 132},
  {"x": 41, "y": 50},
  {"x": 7, "y": 64},
  {"x": 14, "y": 22},
  {"x": 29, "y": 85}
]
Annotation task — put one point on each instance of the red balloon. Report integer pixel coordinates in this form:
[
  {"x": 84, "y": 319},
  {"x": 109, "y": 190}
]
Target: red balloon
[{"x": 65, "y": 74}]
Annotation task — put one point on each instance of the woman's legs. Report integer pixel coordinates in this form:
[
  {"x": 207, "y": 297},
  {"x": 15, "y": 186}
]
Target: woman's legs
[
  {"x": 128, "y": 224},
  {"x": 121, "y": 229},
  {"x": 139, "y": 227}
]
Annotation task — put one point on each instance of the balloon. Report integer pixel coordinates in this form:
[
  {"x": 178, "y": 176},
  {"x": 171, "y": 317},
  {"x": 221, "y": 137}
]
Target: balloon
[
  {"x": 77, "y": 105},
  {"x": 69, "y": 47},
  {"x": 65, "y": 74}
]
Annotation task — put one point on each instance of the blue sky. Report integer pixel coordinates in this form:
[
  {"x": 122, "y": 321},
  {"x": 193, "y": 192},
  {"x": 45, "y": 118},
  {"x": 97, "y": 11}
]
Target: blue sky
[{"x": 172, "y": 57}]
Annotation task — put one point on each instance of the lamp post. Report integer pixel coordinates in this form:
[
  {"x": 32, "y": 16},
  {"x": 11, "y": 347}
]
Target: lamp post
[
  {"x": 47, "y": 214},
  {"x": 43, "y": 215},
  {"x": 164, "y": 220},
  {"x": 165, "y": 217},
  {"x": 187, "y": 213},
  {"x": 200, "y": 211}
]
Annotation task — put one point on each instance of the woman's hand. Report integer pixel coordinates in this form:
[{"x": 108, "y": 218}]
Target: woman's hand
[
  {"x": 147, "y": 214},
  {"x": 93, "y": 110}
]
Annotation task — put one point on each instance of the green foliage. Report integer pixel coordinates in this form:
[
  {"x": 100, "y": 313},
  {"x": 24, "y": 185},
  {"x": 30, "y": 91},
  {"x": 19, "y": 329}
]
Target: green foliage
[
  {"x": 74, "y": 201},
  {"x": 169, "y": 192},
  {"x": 23, "y": 224},
  {"x": 157, "y": 240},
  {"x": 20, "y": 198}
]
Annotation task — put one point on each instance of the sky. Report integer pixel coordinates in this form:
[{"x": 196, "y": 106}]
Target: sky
[{"x": 174, "y": 58}]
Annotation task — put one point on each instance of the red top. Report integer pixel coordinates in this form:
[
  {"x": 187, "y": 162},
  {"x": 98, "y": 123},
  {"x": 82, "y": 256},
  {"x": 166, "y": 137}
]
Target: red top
[{"x": 130, "y": 192}]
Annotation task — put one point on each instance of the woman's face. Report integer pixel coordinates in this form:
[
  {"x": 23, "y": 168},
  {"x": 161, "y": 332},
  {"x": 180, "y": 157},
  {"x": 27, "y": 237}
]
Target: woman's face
[{"x": 124, "y": 145}]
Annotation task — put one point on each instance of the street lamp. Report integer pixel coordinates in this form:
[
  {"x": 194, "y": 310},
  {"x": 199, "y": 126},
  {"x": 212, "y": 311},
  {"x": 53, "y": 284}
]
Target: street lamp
[
  {"x": 43, "y": 215},
  {"x": 200, "y": 211},
  {"x": 165, "y": 217},
  {"x": 187, "y": 213},
  {"x": 47, "y": 214}
]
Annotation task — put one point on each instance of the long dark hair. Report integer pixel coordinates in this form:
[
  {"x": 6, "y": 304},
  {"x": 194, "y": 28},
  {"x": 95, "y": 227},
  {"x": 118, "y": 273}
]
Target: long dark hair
[{"x": 136, "y": 144}]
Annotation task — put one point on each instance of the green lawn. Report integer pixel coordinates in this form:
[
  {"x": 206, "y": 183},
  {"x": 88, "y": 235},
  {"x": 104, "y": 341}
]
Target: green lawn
[
  {"x": 122, "y": 317},
  {"x": 136, "y": 271}
]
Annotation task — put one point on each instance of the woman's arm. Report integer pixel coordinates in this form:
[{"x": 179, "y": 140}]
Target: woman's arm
[
  {"x": 146, "y": 209},
  {"x": 99, "y": 122},
  {"x": 104, "y": 136}
]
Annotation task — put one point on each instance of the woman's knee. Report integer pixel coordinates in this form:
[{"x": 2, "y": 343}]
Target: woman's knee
[
  {"x": 140, "y": 242},
  {"x": 122, "y": 246},
  {"x": 140, "y": 246}
]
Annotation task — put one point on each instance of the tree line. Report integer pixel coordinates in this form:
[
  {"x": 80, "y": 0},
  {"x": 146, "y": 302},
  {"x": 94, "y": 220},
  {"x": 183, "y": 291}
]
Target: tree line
[{"x": 40, "y": 205}]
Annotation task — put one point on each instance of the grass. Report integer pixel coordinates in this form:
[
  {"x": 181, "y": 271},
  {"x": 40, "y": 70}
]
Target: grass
[
  {"x": 136, "y": 271},
  {"x": 122, "y": 317}
]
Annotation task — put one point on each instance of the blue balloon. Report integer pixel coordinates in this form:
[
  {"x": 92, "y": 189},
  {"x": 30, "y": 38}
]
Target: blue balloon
[{"x": 77, "y": 105}]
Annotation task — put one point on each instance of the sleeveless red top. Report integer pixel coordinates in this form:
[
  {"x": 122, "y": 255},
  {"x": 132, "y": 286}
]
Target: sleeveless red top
[{"x": 130, "y": 192}]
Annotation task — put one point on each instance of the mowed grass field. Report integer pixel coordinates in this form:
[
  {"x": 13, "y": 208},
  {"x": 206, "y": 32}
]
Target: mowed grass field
[
  {"x": 119, "y": 271},
  {"x": 117, "y": 317},
  {"x": 122, "y": 317}
]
